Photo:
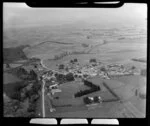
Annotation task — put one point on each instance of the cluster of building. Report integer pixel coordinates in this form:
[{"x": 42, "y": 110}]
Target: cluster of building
[
  {"x": 88, "y": 70},
  {"x": 99, "y": 69},
  {"x": 84, "y": 71},
  {"x": 92, "y": 100},
  {"x": 119, "y": 70},
  {"x": 50, "y": 81}
]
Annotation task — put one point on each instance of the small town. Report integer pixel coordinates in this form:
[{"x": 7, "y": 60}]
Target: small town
[
  {"x": 91, "y": 69},
  {"x": 73, "y": 71}
]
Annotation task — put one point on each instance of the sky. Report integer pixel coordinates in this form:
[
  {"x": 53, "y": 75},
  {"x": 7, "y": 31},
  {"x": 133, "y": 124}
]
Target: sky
[{"x": 19, "y": 14}]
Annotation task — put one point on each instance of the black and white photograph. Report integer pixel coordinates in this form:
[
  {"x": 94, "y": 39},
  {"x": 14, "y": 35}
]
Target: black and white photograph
[{"x": 74, "y": 62}]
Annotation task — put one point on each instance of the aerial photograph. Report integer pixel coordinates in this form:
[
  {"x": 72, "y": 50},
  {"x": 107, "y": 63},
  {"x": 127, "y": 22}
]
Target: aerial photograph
[{"x": 74, "y": 62}]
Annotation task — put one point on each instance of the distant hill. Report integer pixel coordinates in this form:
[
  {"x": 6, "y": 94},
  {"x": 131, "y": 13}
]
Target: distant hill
[
  {"x": 139, "y": 60},
  {"x": 14, "y": 53}
]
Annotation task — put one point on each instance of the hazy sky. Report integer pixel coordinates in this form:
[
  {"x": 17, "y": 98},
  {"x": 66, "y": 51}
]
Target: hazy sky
[{"x": 19, "y": 14}]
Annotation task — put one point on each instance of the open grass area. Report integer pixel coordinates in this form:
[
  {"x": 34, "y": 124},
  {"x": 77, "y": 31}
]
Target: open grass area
[
  {"x": 67, "y": 99},
  {"x": 67, "y": 94},
  {"x": 10, "y": 78},
  {"x": 132, "y": 80},
  {"x": 124, "y": 87},
  {"x": 99, "y": 111},
  {"x": 14, "y": 53},
  {"x": 112, "y": 83}
]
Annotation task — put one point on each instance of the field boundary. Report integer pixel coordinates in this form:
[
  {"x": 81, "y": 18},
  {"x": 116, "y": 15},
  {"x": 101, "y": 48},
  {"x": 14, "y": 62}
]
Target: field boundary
[{"x": 117, "y": 98}]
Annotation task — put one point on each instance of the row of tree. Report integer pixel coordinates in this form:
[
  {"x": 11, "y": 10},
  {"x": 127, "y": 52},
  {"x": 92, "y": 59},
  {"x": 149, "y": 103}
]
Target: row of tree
[
  {"x": 61, "y": 55},
  {"x": 62, "y": 66},
  {"x": 90, "y": 84},
  {"x": 111, "y": 91},
  {"x": 93, "y": 88},
  {"x": 93, "y": 60}
]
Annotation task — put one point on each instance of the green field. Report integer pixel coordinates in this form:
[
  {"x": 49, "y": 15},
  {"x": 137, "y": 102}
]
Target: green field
[
  {"x": 124, "y": 87},
  {"x": 10, "y": 78}
]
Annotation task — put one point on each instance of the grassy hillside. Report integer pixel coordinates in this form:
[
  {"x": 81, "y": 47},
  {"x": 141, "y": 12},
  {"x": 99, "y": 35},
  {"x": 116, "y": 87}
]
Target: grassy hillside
[
  {"x": 14, "y": 53},
  {"x": 10, "y": 78}
]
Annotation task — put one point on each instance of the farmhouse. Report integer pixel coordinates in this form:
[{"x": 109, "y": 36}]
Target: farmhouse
[
  {"x": 53, "y": 91},
  {"x": 53, "y": 86},
  {"x": 91, "y": 100}
]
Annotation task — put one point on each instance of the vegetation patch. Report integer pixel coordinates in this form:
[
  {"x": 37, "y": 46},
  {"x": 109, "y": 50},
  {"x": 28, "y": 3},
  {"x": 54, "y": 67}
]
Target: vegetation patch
[
  {"x": 143, "y": 72},
  {"x": 93, "y": 88},
  {"x": 111, "y": 91},
  {"x": 11, "y": 88},
  {"x": 139, "y": 60},
  {"x": 61, "y": 78},
  {"x": 14, "y": 53},
  {"x": 10, "y": 78},
  {"x": 23, "y": 95},
  {"x": 23, "y": 74}
]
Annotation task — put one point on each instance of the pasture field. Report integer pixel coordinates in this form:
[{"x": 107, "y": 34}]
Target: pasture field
[
  {"x": 10, "y": 78},
  {"x": 124, "y": 87}
]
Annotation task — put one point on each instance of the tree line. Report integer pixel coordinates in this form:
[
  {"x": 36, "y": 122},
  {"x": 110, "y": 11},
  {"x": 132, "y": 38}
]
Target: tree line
[{"x": 93, "y": 88}]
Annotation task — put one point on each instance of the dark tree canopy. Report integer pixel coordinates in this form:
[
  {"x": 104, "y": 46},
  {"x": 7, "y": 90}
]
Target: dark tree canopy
[
  {"x": 75, "y": 60},
  {"x": 33, "y": 74},
  {"x": 93, "y": 60},
  {"x": 70, "y": 77},
  {"x": 61, "y": 66},
  {"x": 22, "y": 71},
  {"x": 16, "y": 95},
  {"x": 87, "y": 100},
  {"x": 103, "y": 69},
  {"x": 133, "y": 67},
  {"x": 14, "y": 53}
]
